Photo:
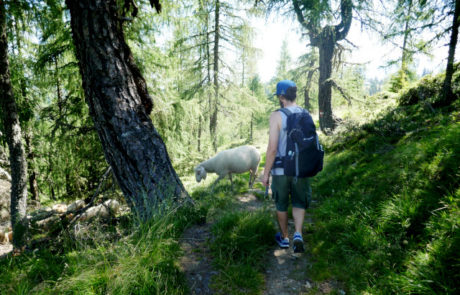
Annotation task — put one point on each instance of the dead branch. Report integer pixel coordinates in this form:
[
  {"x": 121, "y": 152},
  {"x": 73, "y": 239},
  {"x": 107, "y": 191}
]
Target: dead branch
[{"x": 341, "y": 90}]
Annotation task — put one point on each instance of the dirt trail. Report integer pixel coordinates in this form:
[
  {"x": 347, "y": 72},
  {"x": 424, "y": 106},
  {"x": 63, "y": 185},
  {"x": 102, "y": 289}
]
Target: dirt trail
[
  {"x": 287, "y": 273},
  {"x": 196, "y": 262}
]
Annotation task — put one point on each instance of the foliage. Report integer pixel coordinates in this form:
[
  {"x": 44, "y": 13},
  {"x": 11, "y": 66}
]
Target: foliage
[
  {"x": 401, "y": 79},
  {"x": 389, "y": 224},
  {"x": 128, "y": 259},
  {"x": 428, "y": 89}
]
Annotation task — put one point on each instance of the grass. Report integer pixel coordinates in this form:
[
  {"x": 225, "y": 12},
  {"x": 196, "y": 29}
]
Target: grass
[
  {"x": 141, "y": 261},
  {"x": 240, "y": 240},
  {"x": 388, "y": 219}
]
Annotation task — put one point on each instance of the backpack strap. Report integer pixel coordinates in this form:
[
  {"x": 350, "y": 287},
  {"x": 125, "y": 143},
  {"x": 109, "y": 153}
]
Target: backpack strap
[
  {"x": 278, "y": 163},
  {"x": 285, "y": 111}
]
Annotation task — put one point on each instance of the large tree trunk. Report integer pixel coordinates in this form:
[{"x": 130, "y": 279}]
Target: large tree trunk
[
  {"x": 447, "y": 95},
  {"x": 13, "y": 135},
  {"x": 119, "y": 105},
  {"x": 326, "y": 52}
]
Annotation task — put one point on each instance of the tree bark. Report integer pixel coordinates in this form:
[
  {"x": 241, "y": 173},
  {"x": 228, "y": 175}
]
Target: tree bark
[
  {"x": 214, "y": 110},
  {"x": 119, "y": 105},
  {"x": 447, "y": 95},
  {"x": 326, "y": 52},
  {"x": 32, "y": 173},
  {"x": 12, "y": 128},
  {"x": 308, "y": 86}
]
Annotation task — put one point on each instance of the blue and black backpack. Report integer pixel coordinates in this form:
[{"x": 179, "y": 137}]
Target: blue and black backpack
[{"x": 304, "y": 154}]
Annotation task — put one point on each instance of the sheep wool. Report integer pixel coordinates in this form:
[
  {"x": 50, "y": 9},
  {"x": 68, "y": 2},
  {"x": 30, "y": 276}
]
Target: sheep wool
[{"x": 237, "y": 160}]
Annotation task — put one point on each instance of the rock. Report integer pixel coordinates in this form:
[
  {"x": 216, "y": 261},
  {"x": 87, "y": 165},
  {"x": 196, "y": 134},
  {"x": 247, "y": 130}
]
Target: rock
[
  {"x": 307, "y": 285},
  {"x": 6, "y": 237},
  {"x": 109, "y": 207},
  {"x": 4, "y": 214},
  {"x": 2, "y": 238},
  {"x": 49, "y": 222},
  {"x": 60, "y": 208},
  {"x": 113, "y": 205},
  {"x": 78, "y": 204},
  {"x": 4, "y": 175}
]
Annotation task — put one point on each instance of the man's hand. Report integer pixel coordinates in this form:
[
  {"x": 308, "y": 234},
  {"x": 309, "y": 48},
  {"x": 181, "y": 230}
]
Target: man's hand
[{"x": 266, "y": 180}]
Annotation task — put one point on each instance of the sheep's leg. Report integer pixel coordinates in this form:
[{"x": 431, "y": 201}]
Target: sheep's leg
[
  {"x": 252, "y": 177},
  {"x": 231, "y": 181},
  {"x": 217, "y": 180}
]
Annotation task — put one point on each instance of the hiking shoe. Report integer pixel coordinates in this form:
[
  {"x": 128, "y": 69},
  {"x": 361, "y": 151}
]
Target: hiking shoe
[
  {"x": 283, "y": 243},
  {"x": 298, "y": 243}
]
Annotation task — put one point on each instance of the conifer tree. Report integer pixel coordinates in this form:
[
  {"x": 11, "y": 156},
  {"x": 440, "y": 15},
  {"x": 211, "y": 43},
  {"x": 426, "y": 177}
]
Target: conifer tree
[
  {"x": 120, "y": 106},
  {"x": 312, "y": 15},
  {"x": 12, "y": 127}
]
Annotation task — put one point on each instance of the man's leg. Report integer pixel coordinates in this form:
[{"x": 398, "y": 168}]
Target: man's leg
[
  {"x": 301, "y": 194},
  {"x": 280, "y": 191},
  {"x": 283, "y": 222},
  {"x": 298, "y": 215}
]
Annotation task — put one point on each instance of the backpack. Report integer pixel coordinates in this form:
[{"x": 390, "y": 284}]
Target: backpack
[{"x": 304, "y": 154}]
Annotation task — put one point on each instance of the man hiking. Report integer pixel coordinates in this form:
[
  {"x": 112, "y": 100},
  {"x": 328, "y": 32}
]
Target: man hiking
[{"x": 284, "y": 186}]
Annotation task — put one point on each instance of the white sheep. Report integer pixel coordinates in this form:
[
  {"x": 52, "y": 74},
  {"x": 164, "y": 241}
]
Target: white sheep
[{"x": 236, "y": 160}]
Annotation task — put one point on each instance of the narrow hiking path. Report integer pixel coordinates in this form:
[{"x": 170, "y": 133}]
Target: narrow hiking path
[{"x": 286, "y": 273}]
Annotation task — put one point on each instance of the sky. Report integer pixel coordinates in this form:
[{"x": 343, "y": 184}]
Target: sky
[{"x": 269, "y": 35}]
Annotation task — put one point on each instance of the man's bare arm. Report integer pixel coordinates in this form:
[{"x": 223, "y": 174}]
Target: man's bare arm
[{"x": 275, "y": 126}]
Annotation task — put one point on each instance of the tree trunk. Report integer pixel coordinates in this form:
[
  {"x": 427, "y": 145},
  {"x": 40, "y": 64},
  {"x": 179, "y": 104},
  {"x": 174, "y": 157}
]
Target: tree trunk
[
  {"x": 447, "y": 95},
  {"x": 214, "y": 110},
  {"x": 13, "y": 136},
  {"x": 58, "y": 88},
  {"x": 251, "y": 128},
  {"x": 405, "y": 53},
  {"x": 326, "y": 52},
  {"x": 199, "y": 132},
  {"x": 33, "y": 187},
  {"x": 308, "y": 86},
  {"x": 119, "y": 105}
]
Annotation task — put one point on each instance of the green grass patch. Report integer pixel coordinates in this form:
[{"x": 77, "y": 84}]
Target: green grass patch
[
  {"x": 388, "y": 218},
  {"x": 142, "y": 261},
  {"x": 241, "y": 241}
]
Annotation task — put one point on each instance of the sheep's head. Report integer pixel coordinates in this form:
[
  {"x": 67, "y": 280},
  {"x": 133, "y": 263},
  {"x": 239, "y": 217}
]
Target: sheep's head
[{"x": 200, "y": 173}]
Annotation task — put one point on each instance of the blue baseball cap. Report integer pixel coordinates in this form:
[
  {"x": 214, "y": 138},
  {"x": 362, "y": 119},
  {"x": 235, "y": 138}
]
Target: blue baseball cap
[{"x": 283, "y": 86}]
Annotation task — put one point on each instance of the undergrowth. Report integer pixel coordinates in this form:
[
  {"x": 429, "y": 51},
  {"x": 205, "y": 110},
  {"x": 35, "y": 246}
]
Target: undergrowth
[
  {"x": 388, "y": 215},
  {"x": 141, "y": 261}
]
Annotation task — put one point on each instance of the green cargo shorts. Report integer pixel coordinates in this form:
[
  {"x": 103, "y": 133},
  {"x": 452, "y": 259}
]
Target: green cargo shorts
[{"x": 299, "y": 190}]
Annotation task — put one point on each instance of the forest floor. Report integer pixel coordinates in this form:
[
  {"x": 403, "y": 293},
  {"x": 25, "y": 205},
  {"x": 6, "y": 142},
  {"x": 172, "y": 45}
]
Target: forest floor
[{"x": 286, "y": 273}]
